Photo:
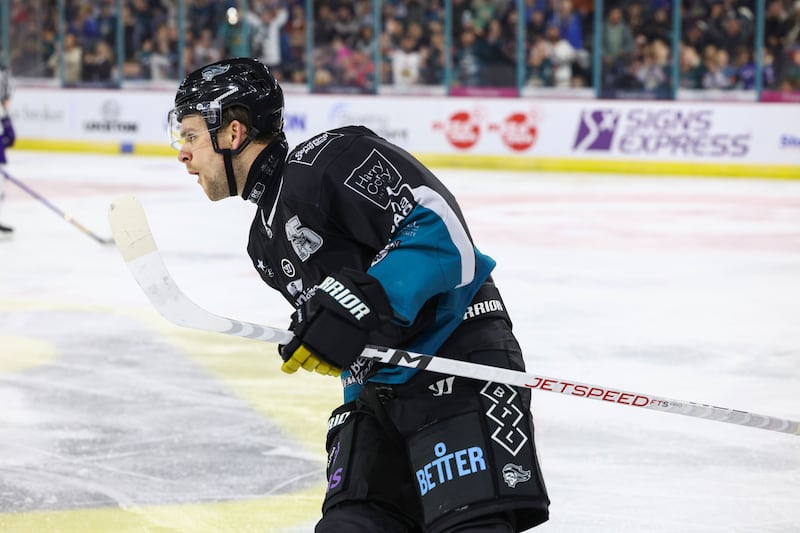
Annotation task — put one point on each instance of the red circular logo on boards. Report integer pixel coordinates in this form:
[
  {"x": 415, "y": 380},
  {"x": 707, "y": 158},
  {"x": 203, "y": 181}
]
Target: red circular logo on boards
[
  {"x": 462, "y": 130},
  {"x": 518, "y": 132}
]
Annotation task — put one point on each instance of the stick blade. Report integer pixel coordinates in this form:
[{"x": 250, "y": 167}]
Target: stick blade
[{"x": 129, "y": 226}]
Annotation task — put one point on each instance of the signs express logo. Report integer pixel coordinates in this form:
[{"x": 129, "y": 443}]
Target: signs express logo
[
  {"x": 596, "y": 129},
  {"x": 661, "y": 132}
]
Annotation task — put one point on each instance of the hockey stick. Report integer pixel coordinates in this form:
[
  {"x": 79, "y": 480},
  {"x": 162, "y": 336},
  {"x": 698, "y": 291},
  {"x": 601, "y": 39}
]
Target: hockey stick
[
  {"x": 58, "y": 211},
  {"x": 138, "y": 248}
]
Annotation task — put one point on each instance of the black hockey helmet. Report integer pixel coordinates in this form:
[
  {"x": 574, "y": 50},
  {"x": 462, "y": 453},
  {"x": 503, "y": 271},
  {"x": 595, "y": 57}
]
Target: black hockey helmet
[{"x": 210, "y": 90}]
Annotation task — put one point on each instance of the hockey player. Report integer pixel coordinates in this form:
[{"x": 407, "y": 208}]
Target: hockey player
[
  {"x": 371, "y": 248},
  {"x": 7, "y": 137}
]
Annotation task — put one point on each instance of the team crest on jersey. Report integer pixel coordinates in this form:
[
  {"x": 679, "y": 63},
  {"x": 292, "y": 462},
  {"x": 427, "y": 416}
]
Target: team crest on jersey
[
  {"x": 376, "y": 179},
  {"x": 308, "y": 153},
  {"x": 304, "y": 240}
]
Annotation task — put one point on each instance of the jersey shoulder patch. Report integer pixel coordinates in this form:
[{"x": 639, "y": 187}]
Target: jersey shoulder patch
[{"x": 308, "y": 152}]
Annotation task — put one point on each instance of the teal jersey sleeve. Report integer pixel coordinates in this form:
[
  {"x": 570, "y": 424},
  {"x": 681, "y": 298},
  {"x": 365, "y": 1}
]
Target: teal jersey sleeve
[{"x": 430, "y": 254}]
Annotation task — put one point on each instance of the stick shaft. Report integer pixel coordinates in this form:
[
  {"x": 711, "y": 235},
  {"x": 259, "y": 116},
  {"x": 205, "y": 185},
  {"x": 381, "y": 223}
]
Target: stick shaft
[
  {"x": 135, "y": 242},
  {"x": 53, "y": 208}
]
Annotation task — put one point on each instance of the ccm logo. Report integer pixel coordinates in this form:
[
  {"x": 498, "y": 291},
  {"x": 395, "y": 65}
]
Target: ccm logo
[{"x": 347, "y": 299}]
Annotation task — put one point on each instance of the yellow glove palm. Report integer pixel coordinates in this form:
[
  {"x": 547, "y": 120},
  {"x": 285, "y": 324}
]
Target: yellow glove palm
[{"x": 303, "y": 358}]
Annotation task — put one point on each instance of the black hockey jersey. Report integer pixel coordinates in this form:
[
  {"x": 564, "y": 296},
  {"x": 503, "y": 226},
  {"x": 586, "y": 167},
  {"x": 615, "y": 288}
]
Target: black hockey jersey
[{"x": 348, "y": 198}]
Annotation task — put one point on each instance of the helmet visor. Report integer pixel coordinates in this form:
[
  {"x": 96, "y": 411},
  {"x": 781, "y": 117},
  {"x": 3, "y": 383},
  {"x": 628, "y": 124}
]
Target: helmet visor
[{"x": 210, "y": 111}]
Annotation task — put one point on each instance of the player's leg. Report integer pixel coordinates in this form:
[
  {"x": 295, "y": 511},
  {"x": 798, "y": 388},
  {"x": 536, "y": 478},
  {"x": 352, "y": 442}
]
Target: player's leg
[
  {"x": 501, "y": 523},
  {"x": 369, "y": 484},
  {"x": 471, "y": 443}
]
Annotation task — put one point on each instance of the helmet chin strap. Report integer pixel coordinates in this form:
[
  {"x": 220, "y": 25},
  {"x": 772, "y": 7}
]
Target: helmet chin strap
[{"x": 227, "y": 157}]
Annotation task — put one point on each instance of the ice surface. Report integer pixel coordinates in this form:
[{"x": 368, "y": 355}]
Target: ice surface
[{"x": 113, "y": 420}]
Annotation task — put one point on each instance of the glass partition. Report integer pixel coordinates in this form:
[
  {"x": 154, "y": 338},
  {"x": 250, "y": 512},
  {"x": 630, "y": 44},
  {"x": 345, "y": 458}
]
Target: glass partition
[
  {"x": 30, "y": 29},
  {"x": 652, "y": 49}
]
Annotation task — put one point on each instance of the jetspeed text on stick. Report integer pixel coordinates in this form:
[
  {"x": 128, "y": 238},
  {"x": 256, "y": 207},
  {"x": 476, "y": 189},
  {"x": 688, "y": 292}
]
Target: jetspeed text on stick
[{"x": 588, "y": 391}]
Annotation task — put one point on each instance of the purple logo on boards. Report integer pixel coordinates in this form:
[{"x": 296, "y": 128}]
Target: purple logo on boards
[
  {"x": 596, "y": 129},
  {"x": 662, "y": 131}
]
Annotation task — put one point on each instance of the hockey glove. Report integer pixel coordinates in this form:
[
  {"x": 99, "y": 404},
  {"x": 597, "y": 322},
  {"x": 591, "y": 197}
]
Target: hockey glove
[{"x": 332, "y": 327}]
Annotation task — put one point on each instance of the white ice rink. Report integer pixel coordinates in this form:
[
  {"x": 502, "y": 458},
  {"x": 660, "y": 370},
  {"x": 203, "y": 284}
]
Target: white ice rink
[{"x": 112, "y": 420}]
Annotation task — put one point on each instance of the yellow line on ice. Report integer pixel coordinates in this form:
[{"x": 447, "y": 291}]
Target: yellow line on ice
[
  {"x": 273, "y": 514},
  {"x": 299, "y": 404},
  {"x": 21, "y": 353}
]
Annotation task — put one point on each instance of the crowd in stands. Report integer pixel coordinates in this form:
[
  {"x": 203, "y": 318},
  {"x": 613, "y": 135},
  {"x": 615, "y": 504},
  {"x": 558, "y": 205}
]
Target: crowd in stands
[{"x": 715, "y": 45}]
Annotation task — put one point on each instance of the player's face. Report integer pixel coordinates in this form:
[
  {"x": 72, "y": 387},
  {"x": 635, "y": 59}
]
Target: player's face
[{"x": 197, "y": 153}]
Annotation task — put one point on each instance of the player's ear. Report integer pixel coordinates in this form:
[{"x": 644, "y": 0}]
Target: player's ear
[{"x": 238, "y": 133}]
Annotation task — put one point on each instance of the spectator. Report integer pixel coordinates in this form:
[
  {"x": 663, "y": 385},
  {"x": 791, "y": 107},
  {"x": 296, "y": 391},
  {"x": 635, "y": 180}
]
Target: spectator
[
  {"x": 537, "y": 25},
  {"x": 483, "y": 12},
  {"x": 568, "y": 22},
  {"x": 790, "y": 78},
  {"x": 107, "y": 23},
  {"x": 230, "y": 33},
  {"x": 468, "y": 62},
  {"x": 696, "y": 36},
  {"x": 363, "y": 13},
  {"x": 202, "y": 15},
  {"x": 714, "y": 65},
  {"x": 540, "y": 68},
  {"x": 132, "y": 41},
  {"x": 561, "y": 55},
  {"x": 634, "y": 17},
  {"x": 394, "y": 32},
  {"x": 733, "y": 35},
  {"x": 85, "y": 27},
  {"x": 793, "y": 27},
  {"x": 769, "y": 76},
  {"x": 98, "y": 64},
  {"x": 358, "y": 72},
  {"x": 365, "y": 40},
  {"x": 406, "y": 63},
  {"x": 775, "y": 27},
  {"x": 143, "y": 16},
  {"x": 72, "y": 58},
  {"x": 745, "y": 69},
  {"x": 265, "y": 31},
  {"x": 654, "y": 71},
  {"x": 345, "y": 24},
  {"x": 205, "y": 49},
  {"x": 432, "y": 57},
  {"x": 657, "y": 26},
  {"x": 691, "y": 71},
  {"x": 142, "y": 69},
  {"x": 499, "y": 56},
  {"x": 617, "y": 42},
  {"x": 295, "y": 30},
  {"x": 617, "y": 45},
  {"x": 324, "y": 21}
]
